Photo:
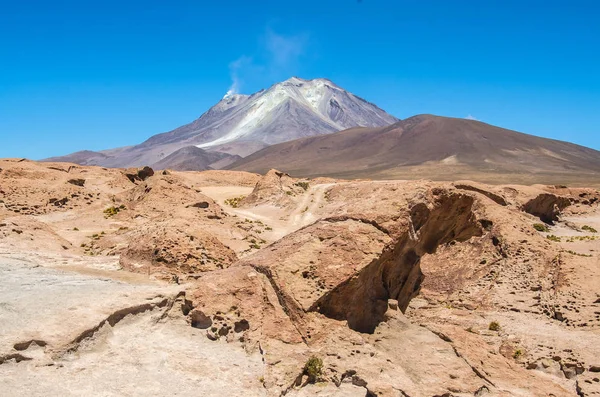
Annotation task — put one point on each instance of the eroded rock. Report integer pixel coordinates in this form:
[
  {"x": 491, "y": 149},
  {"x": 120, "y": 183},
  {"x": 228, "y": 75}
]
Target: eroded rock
[
  {"x": 498, "y": 199},
  {"x": 141, "y": 174},
  {"x": 546, "y": 206},
  {"x": 363, "y": 299},
  {"x": 77, "y": 182}
]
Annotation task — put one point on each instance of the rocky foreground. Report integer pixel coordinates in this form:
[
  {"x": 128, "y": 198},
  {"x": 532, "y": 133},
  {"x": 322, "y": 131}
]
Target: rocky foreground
[{"x": 134, "y": 282}]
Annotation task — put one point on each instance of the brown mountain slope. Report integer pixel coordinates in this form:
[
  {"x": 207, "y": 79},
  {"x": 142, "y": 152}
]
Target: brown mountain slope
[
  {"x": 84, "y": 157},
  {"x": 192, "y": 158},
  {"x": 431, "y": 147}
]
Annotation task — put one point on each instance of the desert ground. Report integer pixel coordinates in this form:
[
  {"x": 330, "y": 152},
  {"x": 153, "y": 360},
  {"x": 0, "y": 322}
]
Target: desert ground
[{"x": 130, "y": 282}]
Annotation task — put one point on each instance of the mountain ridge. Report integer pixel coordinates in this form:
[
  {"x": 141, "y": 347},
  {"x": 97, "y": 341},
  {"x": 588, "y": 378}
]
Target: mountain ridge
[
  {"x": 430, "y": 147},
  {"x": 192, "y": 158},
  {"x": 241, "y": 124}
]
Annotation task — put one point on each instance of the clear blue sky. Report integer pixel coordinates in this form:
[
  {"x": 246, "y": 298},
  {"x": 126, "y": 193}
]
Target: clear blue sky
[{"x": 95, "y": 75}]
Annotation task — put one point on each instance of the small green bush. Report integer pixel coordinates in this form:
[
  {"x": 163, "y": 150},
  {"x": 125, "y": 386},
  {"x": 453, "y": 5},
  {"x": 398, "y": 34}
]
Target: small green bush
[
  {"x": 554, "y": 238},
  {"x": 303, "y": 185},
  {"x": 234, "y": 201},
  {"x": 313, "y": 368},
  {"x": 518, "y": 353},
  {"x": 578, "y": 254},
  {"x": 572, "y": 239},
  {"x": 494, "y": 326},
  {"x": 540, "y": 227},
  {"x": 589, "y": 229},
  {"x": 112, "y": 211}
]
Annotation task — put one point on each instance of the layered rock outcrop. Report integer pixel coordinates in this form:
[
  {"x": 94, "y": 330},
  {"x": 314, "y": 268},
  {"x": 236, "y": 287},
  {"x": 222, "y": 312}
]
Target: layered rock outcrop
[{"x": 396, "y": 288}]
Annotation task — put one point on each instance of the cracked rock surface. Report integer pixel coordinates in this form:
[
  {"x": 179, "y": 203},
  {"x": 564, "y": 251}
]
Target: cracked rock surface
[
  {"x": 189, "y": 284},
  {"x": 64, "y": 334}
]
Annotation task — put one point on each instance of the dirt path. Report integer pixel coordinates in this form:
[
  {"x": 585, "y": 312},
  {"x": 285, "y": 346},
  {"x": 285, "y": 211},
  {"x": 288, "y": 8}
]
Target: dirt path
[
  {"x": 282, "y": 221},
  {"x": 304, "y": 214},
  {"x": 222, "y": 193}
]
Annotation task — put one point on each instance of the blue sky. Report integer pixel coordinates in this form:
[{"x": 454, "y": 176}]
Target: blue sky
[{"x": 95, "y": 75}]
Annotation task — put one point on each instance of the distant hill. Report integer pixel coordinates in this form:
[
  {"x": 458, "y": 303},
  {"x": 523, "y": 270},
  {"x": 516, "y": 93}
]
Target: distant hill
[
  {"x": 192, "y": 158},
  {"x": 84, "y": 157},
  {"x": 430, "y": 147}
]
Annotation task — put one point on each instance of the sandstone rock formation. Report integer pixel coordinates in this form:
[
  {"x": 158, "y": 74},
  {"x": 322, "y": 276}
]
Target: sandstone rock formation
[
  {"x": 275, "y": 188},
  {"x": 398, "y": 288}
]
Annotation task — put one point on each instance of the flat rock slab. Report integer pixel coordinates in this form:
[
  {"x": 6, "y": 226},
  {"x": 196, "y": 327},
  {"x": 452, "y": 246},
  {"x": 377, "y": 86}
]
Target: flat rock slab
[
  {"x": 135, "y": 355},
  {"x": 56, "y": 306},
  {"x": 141, "y": 358}
]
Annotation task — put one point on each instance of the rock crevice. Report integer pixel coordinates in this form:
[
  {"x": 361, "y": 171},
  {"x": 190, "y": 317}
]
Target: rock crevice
[
  {"x": 547, "y": 207},
  {"x": 362, "y": 299}
]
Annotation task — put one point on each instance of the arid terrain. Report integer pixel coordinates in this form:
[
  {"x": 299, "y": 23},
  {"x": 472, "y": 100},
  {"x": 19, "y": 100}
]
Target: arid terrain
[
  {"x": 131, "y": 282},
  {"x": 431, "y": 147}
]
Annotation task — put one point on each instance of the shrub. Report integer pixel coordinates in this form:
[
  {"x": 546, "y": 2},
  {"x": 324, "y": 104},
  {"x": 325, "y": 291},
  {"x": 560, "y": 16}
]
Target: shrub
[
  {"x": 554, "y": 238},
  {"x": 578, "y": 254},
  {"x": 112, "y": 211},
  {"x": 540, "y": 227},
  {"x": 589, "y": 229},
  {"x": 303, "y": 185},
  {"x": 313, "y": 368},
  {"x": 75, "y": 229},
  {"x": 518, "y": 353},
  {"x": 494, "y": 326},
  {"x": 234, "y": 201},
  {"x": 582, "y": 238}
]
